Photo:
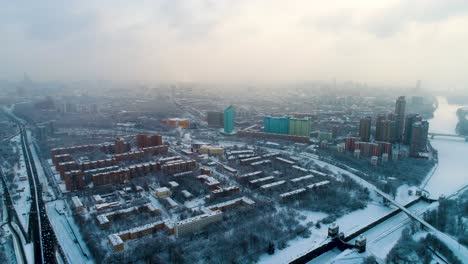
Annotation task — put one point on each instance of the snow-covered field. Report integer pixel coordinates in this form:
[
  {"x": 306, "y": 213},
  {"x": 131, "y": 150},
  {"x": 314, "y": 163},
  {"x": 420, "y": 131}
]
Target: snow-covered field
[
  {"x": 297, "y": 247},
  {"x": 349, "y": 256},
  {"x": 41, "y": 173},
  {"x": 382, "y": 238},
  {"x": 23, "y": 204},
  {"x": 194, "y": 203},
  {"x": 348, "y": 223},
  {"x": 27, "y": 247},
  {"x": 29, "y": 251},
  {"x": 67, "y": 233},
  {"x": 360, "y": 218},
  {"x": 40, "y": 170},
  {"x": 402, "y": 195}
]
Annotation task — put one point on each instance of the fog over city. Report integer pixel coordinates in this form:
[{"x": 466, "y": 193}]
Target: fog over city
[
  {"x": 387, "y": 42},
  {"x": 234, "y": 132}
]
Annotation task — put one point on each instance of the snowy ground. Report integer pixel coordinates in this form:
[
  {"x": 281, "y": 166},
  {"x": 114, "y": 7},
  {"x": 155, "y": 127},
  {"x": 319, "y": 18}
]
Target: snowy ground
[
  {"x": 27, "y": 247},
  {"x": 402, "y": 195},
  {"x": 352, "y": 222},
  {"x": 15, "y": 250},
  {"x": 360, "y": 218},
  {"x": 11, "y": 250},
  {"x": 67, "y": 233},
  {"x": 312, "y": 216},
  {"x": 382, "y": 238},
  {"x": 23, "y": 204},
  {"x": 297, "y": 247},
  {"x": 40, "y": 171},
  {"x": 349, "y": 256},
  {"x": 195, "y": 203},
  {"x": 348, "y": 223},
  {"x": 6, "y": 239},
  {"x": 458, "y": 250},
  {"x": 57, "y": 179},
  {"x": 327, "y": 257},
  {"x": 164, "y": 213},
  {"x": 29, "y": 251}
]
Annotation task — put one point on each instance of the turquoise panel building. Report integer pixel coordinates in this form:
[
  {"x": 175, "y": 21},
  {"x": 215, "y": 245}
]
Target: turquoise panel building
[
  {"x": 276, "y": 125},
  {"x": 229, "y": 117}
]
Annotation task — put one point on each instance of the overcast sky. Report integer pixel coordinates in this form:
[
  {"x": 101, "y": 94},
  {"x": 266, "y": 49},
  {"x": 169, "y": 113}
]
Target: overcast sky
[{"x": 374, "y": 41}]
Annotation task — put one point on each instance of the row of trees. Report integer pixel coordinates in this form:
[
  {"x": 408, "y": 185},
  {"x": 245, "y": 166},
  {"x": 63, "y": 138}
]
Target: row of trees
[
  {"x": 7, "y": 250},
  {"x": 335, "y": 200},
  {"x": 450, "y": 217},
  {"x": 242, "y": 236},
  {"x": 387, "y": 176},
  {"x": 462, "y": 126},
  {"x": 407, "y": 250}
]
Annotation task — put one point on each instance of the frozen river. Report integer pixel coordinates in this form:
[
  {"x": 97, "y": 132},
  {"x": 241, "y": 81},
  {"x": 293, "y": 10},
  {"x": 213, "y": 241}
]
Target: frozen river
[{"x": 452, "y": 173}]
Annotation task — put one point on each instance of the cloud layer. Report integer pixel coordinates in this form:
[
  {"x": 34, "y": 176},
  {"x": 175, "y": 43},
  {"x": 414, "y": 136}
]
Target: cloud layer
[{"x": 387, "y": 41}]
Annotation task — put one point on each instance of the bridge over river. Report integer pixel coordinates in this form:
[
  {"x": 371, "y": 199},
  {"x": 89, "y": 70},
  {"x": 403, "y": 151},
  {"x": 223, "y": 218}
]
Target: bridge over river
[{"x": 435, "y": 134}]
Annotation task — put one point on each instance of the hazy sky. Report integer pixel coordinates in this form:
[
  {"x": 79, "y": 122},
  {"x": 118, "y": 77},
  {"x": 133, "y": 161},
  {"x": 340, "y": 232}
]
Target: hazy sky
[{"x": 374, "y": 41}]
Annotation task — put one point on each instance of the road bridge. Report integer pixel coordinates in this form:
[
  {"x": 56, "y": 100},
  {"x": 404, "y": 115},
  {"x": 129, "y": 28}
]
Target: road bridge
[
  {"x": 405, "y": 210},
  {"x": 435, "y": 134},
  {"x": 459, "y": 250}
]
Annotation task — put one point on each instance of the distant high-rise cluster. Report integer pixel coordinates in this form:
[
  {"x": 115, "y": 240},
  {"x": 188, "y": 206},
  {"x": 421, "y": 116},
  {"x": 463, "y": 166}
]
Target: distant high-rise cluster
[
  {"x": 390, "y": 128},
  {"x": 410, "y": 130}
]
